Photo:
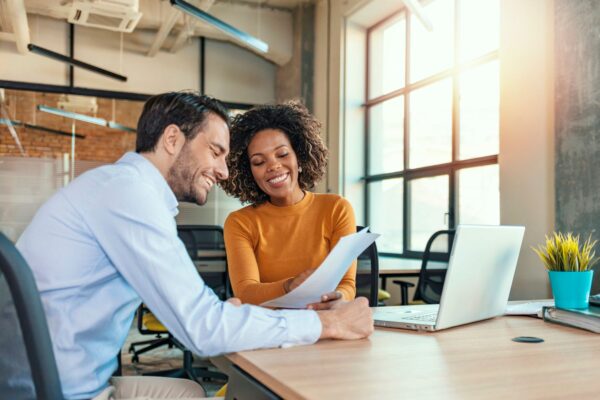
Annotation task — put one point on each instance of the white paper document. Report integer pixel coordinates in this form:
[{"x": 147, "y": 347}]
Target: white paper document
[
  {"x": 533, "y": 307},
  {"x": 329, "y": 274}
]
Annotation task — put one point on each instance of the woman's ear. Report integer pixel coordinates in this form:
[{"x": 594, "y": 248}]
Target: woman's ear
[{"x": 172, "y": 140}]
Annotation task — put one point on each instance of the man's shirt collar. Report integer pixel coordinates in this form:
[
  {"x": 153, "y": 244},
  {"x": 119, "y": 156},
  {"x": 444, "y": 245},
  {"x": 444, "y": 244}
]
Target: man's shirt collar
[{"x": 150, "y": 172}]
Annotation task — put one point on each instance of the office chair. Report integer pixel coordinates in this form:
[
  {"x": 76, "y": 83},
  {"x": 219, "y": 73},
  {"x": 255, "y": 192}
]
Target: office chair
[
  {"x": 204, "y": 243},
  {"x": 431, "y": 282},
  {"x": 367, "y": 273},
  {"x": 206, "y": 246},
  {"x": 27, "y": 365},
  {"x": 148, "y": 324}
]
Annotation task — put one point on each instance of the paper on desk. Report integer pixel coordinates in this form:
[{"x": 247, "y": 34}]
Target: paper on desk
[
  {"x": 329, "y": 274},
  {"x": 533, "y": 307}
]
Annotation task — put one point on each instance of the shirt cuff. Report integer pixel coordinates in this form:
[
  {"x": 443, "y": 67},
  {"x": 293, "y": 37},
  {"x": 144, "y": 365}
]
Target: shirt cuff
[{"x": 303, "y": 326}]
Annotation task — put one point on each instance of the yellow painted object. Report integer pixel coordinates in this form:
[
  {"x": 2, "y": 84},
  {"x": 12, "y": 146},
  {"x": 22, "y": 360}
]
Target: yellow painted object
[
  {"x": 153, "y": 324},
  {"x": 383, "y": 295},
  {"x": 221, "y": 392}
]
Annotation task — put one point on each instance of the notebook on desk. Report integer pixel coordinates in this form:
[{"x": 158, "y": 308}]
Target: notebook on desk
[{"x": 480, "y": 272}]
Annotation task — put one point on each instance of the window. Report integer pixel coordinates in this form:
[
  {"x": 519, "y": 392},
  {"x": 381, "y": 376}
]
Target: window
[{"x": 432, "y": 113}]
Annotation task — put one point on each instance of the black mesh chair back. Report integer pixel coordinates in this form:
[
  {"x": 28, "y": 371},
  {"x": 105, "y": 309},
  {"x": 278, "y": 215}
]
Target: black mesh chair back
[
  {"x": 206, "y": 246},
  {"x": 27, "y": 365},
  {"x": 367, "y": 273},
  {"x": 431, "y": 281}
]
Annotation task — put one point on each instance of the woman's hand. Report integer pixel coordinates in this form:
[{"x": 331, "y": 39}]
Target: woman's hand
[
  {"x": 294, "y": 282},
  {"x": 328, "y": 301}
]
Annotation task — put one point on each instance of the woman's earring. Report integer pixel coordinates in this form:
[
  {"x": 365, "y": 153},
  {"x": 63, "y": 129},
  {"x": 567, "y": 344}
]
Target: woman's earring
[{"x": 299, "y": 169}]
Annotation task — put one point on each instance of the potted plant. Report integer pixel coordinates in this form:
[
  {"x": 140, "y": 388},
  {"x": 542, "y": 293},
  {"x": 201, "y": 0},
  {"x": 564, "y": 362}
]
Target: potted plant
[{"x": 569, "y": 266}]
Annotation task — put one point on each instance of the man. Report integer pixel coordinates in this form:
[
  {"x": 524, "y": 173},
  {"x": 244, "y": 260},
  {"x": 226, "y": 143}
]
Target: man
[{"x": 108, "y": 241}]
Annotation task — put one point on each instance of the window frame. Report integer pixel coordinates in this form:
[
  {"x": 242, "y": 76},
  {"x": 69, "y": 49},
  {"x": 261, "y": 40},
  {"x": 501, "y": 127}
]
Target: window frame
[{"x": 409, "y": 174}]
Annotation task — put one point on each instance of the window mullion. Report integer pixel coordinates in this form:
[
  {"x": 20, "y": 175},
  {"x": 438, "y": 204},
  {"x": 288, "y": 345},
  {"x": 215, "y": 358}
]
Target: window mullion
[
  {"x": 367, "y": 133},
  {"x": 380, "y": 106},
  {"x": 452, "y": 192},
  {"x": 406, "y": 138}
]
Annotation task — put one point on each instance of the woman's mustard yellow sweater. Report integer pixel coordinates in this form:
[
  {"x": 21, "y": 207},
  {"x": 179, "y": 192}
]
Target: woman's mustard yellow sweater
[{"x": 266, "y": 245}]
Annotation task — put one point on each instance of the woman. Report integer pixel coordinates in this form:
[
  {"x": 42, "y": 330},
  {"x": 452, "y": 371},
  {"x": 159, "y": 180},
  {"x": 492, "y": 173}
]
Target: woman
[{"x": 277, "y": 241}]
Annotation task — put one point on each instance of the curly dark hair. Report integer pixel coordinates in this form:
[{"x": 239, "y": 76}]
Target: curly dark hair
[{"x": 301, "y": 128}]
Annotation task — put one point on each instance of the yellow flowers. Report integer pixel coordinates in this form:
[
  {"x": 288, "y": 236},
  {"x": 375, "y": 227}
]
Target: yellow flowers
[{"x": 563, "y": 253}]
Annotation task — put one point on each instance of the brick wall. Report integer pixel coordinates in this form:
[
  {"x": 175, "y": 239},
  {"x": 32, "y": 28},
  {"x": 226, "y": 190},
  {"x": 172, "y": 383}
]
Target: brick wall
[{"x": 100, "y": 144}]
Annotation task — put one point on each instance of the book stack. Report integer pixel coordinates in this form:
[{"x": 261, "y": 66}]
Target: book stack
[{"x": 587, "y": 318}]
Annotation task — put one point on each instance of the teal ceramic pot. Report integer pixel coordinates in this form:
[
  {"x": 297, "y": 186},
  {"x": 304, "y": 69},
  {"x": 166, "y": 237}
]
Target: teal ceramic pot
[{"x": 571, "y": 289}]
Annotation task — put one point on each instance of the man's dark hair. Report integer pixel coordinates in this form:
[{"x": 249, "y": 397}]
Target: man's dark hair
[{"x": 187, "y": 110}]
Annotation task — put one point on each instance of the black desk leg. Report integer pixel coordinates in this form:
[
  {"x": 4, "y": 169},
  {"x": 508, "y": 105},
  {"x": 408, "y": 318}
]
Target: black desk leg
[{"x": 242, "y": 386}]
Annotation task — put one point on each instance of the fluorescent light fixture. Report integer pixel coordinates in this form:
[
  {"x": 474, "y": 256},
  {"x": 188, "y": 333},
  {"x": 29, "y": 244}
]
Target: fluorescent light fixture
[
  {"x": 250, "y": 40},
  {"x": 116, "y": 125},
  {"x": 71, "y": 61},
  {"x": 72, "y": 115},
  {"x": 80, "y": 117},
  {"x": 5, "y": 121}
]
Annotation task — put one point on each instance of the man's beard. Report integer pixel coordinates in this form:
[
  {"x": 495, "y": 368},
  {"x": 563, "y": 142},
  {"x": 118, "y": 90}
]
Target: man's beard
[{"x": 180, "y": 178}]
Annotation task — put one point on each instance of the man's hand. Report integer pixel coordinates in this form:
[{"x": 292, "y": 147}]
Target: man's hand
[
  {"x": 294, "y": 282},
  {"x": 348, "y": 320},
  {"x": 328, "y": 301}
]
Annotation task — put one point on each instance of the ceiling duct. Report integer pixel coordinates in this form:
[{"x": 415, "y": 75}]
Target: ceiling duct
[
  {"x": 241, "y": 36},
  {"x": 114, "y": 15}
]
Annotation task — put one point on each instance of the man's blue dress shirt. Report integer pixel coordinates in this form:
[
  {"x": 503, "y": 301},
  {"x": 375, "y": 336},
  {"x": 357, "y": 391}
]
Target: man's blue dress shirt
[{"x": 107, "y": 242}]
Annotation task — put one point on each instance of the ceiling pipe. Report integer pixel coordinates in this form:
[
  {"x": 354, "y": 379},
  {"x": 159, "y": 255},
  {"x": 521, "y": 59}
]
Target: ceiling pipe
[
  {"x": 164, "y": 31},
  {"x": 186, "y": 32},
  {"x": 238, "y": 35},
  {"x": 18, "y": 17},
  {"x": 277, "y": 22}
]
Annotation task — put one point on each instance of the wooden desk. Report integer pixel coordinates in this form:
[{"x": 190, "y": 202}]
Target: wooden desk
[{"x": 477, "y": 361}]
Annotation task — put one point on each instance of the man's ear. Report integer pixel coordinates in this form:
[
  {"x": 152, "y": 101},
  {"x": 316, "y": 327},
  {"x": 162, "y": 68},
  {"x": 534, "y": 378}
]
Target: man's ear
[{"x": 172, "y": 140}]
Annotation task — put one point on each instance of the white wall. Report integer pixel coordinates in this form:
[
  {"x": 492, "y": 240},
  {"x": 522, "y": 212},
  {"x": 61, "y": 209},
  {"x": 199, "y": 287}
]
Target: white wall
[
  {"x": 164, "y": 72},
  {"x": 232, "y": 73},
  {"x": 45, "y": 32},
  {"x": 237, "y": 75},
  {"x": 353, "y": 140},
  {"x": 527, "y": 133}
]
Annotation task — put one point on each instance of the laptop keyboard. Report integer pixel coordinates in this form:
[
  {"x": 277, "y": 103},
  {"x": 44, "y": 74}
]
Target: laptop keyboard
[{"x": 423, "y": 317}]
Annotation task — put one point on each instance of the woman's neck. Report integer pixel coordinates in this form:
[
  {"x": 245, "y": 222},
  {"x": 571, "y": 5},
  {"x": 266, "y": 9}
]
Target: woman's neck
[{"x": 296, "y": 197}]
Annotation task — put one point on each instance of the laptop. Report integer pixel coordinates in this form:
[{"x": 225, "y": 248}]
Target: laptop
[{"x": 480, "y": 272}]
